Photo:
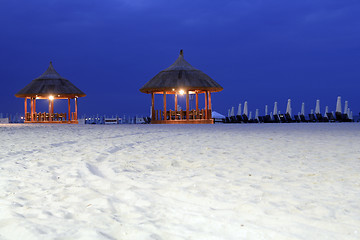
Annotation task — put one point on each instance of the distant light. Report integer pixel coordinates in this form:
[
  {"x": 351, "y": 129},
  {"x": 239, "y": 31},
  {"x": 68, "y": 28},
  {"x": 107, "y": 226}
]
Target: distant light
[
  {"x": 51, "y": 97},
  {"x": 181, "y": 92},
  {"x": 173, "y": 89}
]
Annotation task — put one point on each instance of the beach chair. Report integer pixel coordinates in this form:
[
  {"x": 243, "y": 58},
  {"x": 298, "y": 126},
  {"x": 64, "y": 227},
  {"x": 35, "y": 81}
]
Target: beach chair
[
  {"x": 261, "y": 119},
  {"x": 267, "y": 119},
  {"x": 338, "y": 116},
  {"x": 233, "y": 119},
  {"x": 276, "y": 118},
  {"x": 297, "y": 118},
  {"x": 245, "y": 118},
  {"x": 282, "y": 118},
  {"x": 330, "y": 116},
  {"x": 302, "y": 118},
  {"x": 312, "y": 117},
  {"x": 320, "y": 118},
  {"x": 239, "y": 119},
  {"x": 288, "y": 118}
]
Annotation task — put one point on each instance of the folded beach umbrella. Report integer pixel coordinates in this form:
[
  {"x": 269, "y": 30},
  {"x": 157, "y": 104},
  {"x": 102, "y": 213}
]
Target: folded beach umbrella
[
  {"x": 229, "y": 113},
  {"x": 232, "y": 112},
  {"x": 288, "y": 107},
  {"x": 257, "y": 114},
  {"x": 275, "y": 108},
  {"x": 250, "y": 115},
  {"x": 266, "y": 110},
  {"x": 346, "y": 107},
  {"x": 317, "y": 107},
  {"x": 338, "y": 104},
  {"x": 246, "y": 108},
  {"x": 303, "y": 109},
  {"x": 326, "y": 111},
  {"x": 239, "y": 110}
]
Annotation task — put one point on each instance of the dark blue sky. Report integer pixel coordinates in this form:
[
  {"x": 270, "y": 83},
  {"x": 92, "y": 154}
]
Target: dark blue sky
[{"x": 259, "y": 51}]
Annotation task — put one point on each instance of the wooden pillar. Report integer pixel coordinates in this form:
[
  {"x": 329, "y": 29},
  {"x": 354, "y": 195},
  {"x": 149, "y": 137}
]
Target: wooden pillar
[
  {"x": 76, "y": 109},
  {"x": 34, "y": 105},
  {"x": 25, "y": 105},
  {"x": 153, "y": 117},
  {"x": 69, "y": 110},
  {"x": 32, "y": 109},
  {"x": 206, "y": 105},
  {"x": 209, "y": 104},
  {"x": 197, "y": 101},
  {"x": 50, "y": 106},
  {"x": 165, "y": 105},
  {"x": 176, "y": 102},
  {"x": 187, "y": 105}
]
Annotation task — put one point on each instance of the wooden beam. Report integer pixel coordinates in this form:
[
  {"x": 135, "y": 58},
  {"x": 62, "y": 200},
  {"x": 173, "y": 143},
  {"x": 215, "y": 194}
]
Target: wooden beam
[
  {"x": 32, "y": 109},
  {"x": 50, "y": 115},
  {"x": 165, "y": 105},
  {"x": 209, "y": 104},
  {"x": 76, "y": 109},
  {"x": 69, "y": 110},
  {"x": 25, "y": 105},
  {"x": 187, "y": 105},
  {"x": 176, "y": 102},
  {"x": 153, "y": 106},
  {"x": 197, "y": 101},
  {"x": 206, "y": 105}
]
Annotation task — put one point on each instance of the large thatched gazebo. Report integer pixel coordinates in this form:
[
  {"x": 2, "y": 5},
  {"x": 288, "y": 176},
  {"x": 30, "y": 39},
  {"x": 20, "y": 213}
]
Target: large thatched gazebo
[
  {"x": 181, "y": 78},
  {"x": 50, "y": 86}
]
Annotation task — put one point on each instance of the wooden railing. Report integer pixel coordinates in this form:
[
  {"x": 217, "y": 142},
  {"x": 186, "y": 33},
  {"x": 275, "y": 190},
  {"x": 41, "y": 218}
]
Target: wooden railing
[
  {"x": 46, "y": 117},
  {"x": 181, "y": 115}
]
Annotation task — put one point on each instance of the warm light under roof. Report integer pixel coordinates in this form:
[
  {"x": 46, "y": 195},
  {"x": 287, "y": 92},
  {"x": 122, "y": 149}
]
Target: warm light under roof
[
  {"x": 51, "y": 97},
  {"x": 182, "y": 92}
]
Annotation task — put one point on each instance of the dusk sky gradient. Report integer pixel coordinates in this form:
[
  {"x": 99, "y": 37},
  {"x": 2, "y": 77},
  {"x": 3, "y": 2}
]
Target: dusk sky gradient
[{"x": 258, "y": 51}]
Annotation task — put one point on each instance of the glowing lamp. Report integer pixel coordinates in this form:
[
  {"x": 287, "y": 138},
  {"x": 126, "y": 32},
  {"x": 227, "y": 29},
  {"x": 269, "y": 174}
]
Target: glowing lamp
[
  {"x": 51, "y": 97},
  {"x": 181, "y": 92}
]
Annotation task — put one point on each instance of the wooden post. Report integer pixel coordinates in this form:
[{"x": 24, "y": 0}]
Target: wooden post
[
  {"x": 176, "y": 102},
  {"x": 25, "y": 105},
  {"x": 209, "y": 104},
  {"x": 69, "y": 110},
  {"x": 206, "y": 105},
  {"x": 32, "y": 108},
  {"x": 50, "y": 115},
  {"x": 153, "y": 107},
  {"x": 197, "y": 101},
  {"x": 165, "y": 105},
  {"x": 187, "y": 105},
  {"x": 34, "y": 105},
  {"x": 76, "y": 109}
]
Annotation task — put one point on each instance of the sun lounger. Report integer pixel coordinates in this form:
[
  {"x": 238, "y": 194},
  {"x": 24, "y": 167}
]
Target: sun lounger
[
  {"x": 297, "y": 118},
  {"x": 282, "y": 118},
  {"x": 312, "y": 117},
  {"x": 288, "y": 118},
  {"x": 245, "y": 118},
  {"x": 276, "y": 118},
  {"x": 330, "y": 117}
]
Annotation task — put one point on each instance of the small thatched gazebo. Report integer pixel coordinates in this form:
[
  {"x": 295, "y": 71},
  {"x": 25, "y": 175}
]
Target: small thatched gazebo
[
  {"x": 50, "y": 85},
  {"x": 181, "y": 78}
]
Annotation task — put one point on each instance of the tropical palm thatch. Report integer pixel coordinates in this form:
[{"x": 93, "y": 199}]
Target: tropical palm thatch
[
  {"x": 50, "y": 83},
  {"x": 181, "y": 75}
]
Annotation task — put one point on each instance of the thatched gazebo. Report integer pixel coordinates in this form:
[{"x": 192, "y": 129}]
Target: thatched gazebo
[
  {"x": 181, "y": 78},
  {"x": 50, "y": 85}
]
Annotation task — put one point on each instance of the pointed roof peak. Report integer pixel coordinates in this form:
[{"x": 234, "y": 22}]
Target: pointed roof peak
[
  {"x": 180, "y": 64},
  {"x": 50, "y": 73}
]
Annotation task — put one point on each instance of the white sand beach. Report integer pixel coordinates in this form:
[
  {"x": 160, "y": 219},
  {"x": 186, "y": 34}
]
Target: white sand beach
[{"x": 234, "y": 181}]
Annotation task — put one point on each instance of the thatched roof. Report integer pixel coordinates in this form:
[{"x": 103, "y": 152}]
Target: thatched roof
[
  {"x": 181, "y": 75},
  {"x": 50, "y": 83}
]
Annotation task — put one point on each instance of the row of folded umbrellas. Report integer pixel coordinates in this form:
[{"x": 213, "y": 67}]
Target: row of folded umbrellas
[{"x": 243, "y": 114}]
